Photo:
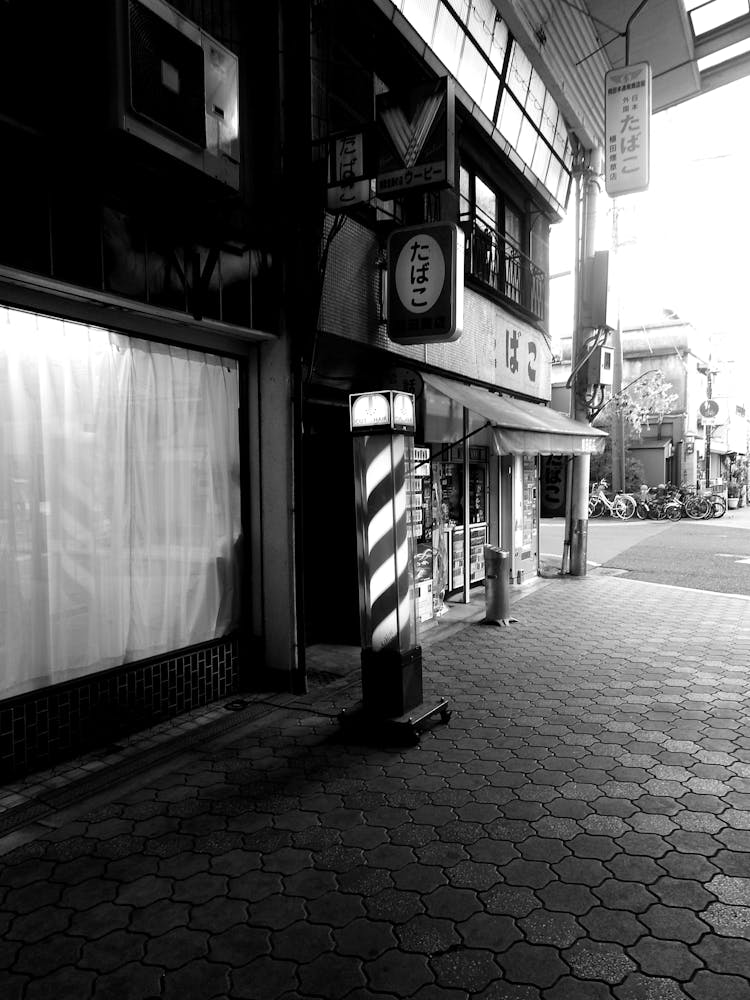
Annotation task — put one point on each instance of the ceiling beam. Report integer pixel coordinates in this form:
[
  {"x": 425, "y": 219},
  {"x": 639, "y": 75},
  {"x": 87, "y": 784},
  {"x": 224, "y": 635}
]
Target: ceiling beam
[
  {"x": 726, "y": 72},
  {"x": 722, "y": 36}
]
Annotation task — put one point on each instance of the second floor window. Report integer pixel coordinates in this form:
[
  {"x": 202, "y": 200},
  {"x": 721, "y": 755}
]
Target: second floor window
[{"x": 497, "y": 244}]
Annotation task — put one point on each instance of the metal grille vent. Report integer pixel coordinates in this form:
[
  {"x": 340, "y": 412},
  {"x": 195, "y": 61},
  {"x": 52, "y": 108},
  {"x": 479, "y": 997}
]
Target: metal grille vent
[{"x": 166, "y": 76}]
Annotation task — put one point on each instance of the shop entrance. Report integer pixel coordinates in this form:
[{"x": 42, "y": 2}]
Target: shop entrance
[{"x": 331, "y": 595}]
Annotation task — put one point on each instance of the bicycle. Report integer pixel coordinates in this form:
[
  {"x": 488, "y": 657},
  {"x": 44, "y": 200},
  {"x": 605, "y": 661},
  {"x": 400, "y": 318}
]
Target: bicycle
[
  {"x": 718, "y": 505},
  {"x": 704, "y": 506},
  {"x": 664, "y": 503},
  {"x": 622, "y": 505},
  {"x": 697, "y": 507}
]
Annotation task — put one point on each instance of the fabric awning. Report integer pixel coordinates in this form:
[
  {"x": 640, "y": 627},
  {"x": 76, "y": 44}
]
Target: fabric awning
[{"x": 521, "y": 427}]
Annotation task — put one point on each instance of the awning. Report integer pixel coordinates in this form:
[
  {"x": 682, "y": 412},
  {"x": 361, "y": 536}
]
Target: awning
[{"x": 521, "y": 427}]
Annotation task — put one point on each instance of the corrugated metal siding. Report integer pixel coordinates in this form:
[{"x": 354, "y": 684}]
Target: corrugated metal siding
[{"x": 567, "y": 60}]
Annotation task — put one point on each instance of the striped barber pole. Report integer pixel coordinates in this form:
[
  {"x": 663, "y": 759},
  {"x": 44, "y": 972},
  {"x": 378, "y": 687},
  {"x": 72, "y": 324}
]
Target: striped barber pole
[{"x": 385, "y": 554}]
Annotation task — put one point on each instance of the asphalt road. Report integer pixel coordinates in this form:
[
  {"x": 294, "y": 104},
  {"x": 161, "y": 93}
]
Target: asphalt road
[{"x": 703, "y": 555}]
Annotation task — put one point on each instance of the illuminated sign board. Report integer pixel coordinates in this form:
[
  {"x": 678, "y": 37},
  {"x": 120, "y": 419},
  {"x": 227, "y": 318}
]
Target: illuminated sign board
[
  {"x": 416, "y": 139},
  {"x": 348, "y": 173},
  {"x": 383, "y": 410},
  {"x": 426, "y": 284}
]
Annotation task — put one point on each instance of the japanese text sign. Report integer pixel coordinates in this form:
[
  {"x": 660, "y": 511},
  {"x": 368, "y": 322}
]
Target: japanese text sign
[
  {"x": 425, "y": 284},
  {"x": 627, "y": 129},
  {"x": 416, "y": 139},
  {"x": 348, "y": 183}
]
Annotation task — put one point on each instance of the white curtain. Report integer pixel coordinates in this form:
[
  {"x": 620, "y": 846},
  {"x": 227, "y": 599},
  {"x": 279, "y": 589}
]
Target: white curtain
[{"x": 119, "y": 499}]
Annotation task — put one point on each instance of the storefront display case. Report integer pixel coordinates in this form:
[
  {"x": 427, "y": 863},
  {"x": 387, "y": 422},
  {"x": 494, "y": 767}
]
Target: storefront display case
[{"x": 451, "y": 477}]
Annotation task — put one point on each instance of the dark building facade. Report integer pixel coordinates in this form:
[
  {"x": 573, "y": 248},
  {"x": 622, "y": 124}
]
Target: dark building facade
[{"x": 185, "y": 308}]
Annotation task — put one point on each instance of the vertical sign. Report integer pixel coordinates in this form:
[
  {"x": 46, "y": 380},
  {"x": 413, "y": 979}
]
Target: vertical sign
[
  {"x": 348, "y": 184},
  {"x": 425, "y": 283},
  {"x": 627, "y": 128}
]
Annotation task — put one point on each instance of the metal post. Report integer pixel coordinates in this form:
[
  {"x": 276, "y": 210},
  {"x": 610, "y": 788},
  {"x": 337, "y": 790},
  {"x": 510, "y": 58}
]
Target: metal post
[{"x": 467, "y": 540}]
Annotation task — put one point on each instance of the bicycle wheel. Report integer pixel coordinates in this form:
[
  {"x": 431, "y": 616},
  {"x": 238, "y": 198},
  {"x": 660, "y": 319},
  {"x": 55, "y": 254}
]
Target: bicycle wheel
[
  {"x": 697, "y": 508},
  {"x": 596, "y": 507},
  {"x": 623, "y": 507},
  {"x": 656, "y": 511},
  {"x": 718, "y": 505},
  {"x": 673, "y": 511},
  {"x": 641, "y": 510}
]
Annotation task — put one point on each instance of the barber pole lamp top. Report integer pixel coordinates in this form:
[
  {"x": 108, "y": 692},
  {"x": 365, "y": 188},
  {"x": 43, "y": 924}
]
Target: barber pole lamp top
[
  {"x": 382, "y": 411},
  {"x": 383, "y": 423}
]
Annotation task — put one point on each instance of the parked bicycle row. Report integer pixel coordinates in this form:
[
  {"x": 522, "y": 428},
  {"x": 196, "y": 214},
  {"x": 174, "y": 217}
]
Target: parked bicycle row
[{"x": 658, "y": 503}]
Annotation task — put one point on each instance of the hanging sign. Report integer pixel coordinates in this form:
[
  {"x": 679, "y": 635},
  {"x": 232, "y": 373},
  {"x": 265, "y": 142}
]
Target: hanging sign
[
  {"x": 425, "y": 283},
  {"x": 348, "y": 177},
  {"x": 416, "y": 139},
  {"x": 627, "y": 128}
]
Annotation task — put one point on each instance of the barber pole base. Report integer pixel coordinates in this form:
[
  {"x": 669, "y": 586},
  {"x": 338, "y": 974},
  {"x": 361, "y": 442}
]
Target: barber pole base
[
  {"x": 391, "y": 710},
  {"x": 391, "y": 681},
  {"x": 360, "y": 726}
]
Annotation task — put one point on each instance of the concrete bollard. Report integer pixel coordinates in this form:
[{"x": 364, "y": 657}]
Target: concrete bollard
[{"x": 497, "y": 587}]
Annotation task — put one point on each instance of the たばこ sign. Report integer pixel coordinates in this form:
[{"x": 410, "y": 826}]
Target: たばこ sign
[
  {"x": 627, "y": 129},
  {"x": 425, "y": 284}
]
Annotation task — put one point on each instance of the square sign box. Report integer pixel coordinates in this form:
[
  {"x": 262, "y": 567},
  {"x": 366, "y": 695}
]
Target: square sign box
[{"x": 426, "y": 284}]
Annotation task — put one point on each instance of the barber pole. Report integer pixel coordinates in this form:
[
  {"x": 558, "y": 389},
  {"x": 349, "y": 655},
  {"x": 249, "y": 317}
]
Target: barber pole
[
  {"x": 385, "y": 571},
  {"x": 383, "y": 424}
]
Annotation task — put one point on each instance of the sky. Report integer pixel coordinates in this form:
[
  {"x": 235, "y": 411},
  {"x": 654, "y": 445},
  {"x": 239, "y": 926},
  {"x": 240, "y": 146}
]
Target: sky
[{"x": 684, "y": 244}]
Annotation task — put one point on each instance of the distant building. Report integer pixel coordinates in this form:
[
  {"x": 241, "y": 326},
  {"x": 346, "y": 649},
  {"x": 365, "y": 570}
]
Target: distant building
[{"x": 673, "y": 448}]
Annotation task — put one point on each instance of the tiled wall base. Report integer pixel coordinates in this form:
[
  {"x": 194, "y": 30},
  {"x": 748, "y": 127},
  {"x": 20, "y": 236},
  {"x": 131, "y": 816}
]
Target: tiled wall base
[{"x": 48, "y": 726}]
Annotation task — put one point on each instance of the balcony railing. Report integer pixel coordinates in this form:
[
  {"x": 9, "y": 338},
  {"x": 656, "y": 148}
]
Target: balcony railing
[{"x": 498, "y": 262}]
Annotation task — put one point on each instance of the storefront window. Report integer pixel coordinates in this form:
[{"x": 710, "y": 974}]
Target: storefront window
[{"x": 119, "y": 499}]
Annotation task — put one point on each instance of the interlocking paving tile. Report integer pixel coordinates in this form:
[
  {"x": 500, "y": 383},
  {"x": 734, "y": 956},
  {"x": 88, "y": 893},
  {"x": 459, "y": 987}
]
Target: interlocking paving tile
[
  {"x": 673, "y": 923},
  {"x": 620, "y": 926},
  {"x": 682, "y": 892},
  {"x": 397, "y": 971},
  {"x": 665, "y": 958},
  {"x": 708, "y": 986},
  {"x": 570, "y": 988},
  {"x": 579, "y": 830},
  {"x": 538, "y": 965},
  {"x": 557, "y": 929},
  {"x": 484, "y": 930},
  {"x": 640, "y": 987},
  {"x": 468, "y": 968},
  {"x": 733, "y": 921}
]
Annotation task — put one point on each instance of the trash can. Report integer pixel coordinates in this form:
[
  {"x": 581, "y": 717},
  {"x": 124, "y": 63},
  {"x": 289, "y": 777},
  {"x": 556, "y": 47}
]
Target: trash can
[{"x": 497, "y": 586}]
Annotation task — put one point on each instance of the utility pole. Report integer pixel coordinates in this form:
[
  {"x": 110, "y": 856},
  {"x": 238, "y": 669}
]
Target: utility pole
[
  {"x": 709, "y": 391},
  {"x": 618, "y": 422},
  {"x": 577, "y": 506}
]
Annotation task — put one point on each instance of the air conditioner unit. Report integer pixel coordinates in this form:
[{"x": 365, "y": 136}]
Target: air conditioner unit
[{"x": 177, "y": 88}]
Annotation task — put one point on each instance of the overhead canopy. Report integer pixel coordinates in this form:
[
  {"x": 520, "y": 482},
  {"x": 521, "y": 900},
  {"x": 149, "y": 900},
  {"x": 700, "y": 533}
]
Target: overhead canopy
[{"x": 520, "y": 427}]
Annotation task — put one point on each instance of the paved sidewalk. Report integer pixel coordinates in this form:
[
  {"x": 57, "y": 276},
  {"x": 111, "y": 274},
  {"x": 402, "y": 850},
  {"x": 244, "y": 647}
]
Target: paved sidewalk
[{"x": 580, "y": 829}]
